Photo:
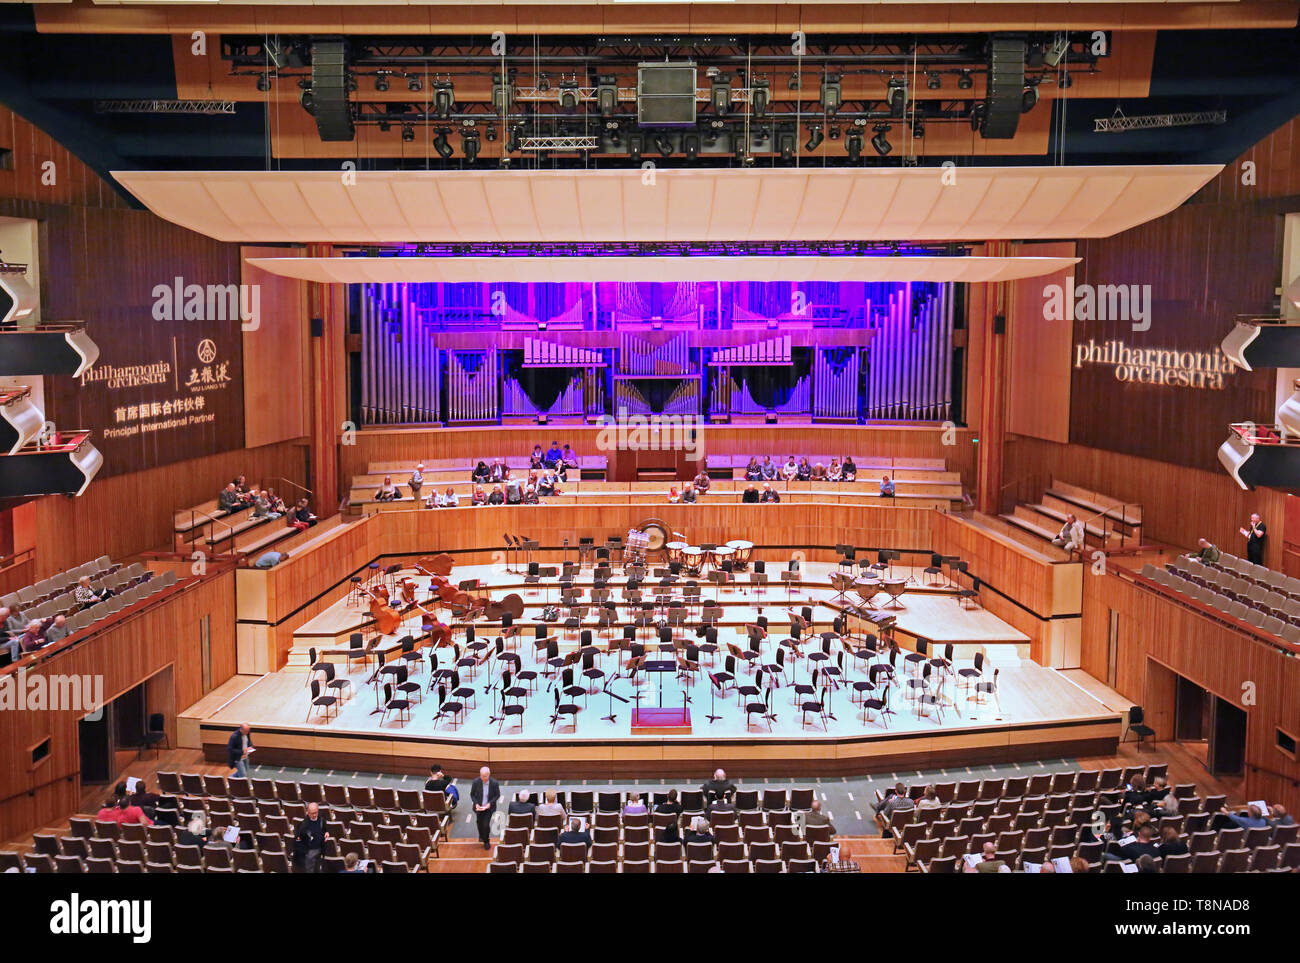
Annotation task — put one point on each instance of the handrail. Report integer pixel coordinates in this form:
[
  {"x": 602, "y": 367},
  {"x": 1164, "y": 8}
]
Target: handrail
[
  {"x": 301, "y": 488},
  {"x": 17, "y": 558},
  {"x": 215, "y": 520}
]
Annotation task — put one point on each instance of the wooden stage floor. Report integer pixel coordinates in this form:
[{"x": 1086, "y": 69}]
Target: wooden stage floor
[{"x": 1040, "y": 712}]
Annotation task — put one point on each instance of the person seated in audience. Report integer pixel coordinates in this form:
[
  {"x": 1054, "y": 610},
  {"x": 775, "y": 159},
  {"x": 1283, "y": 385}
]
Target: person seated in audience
[
  {"x": 241, "y": 486},
  {"x": 302, "y": 518},
  {"x": 499, "y": 471},
  {"x": 262, "y": 506},
  {"x": 818, "y": 472},
  {"x": 835, "y": 471},
  {"x": 804, "y": 471},
  {"x": 87, "y": 596},
  {"x": 768, "y": 468},
  {"x": 688, "y": 495},
  {"x": 554, "y": 455},
  {"x": 790, "y": 470},
  {"x": 550, "y": 806},
  {"x": 352, "y": 864},
  {"x": 929, "y": 799},
  {"x": 568, "y": 458},
  {"x": 229, "y": 501},
  {"x": 1166, "y": 806},
  {"x": 988, "y": 862},
  {"x": 896, "y": 800},
  {"x": 387, "y": 492},
  {"x": 719, "y": 787},
  {"x": 1251, "y": 818},
  {"x": 1136, "y": 793},
  {"x": 108, "y": 813},
  {"x": 752, "y": 471},
  {"x": 886, "y": 487},
  {"x": 816, "y": 817},
  {"x": 699, "y": 832},
  {"x": 670, "y": 806},
  {"x": 416, "y": 481},
  {"x": 634, "y": 806},
  {"x": 530, "y": 495},
  {"x": 575, "y": 833},
  {"x": 496, "y": 497},
  {"x": 750, "y": 495},
  {"x": 1143, "y": 845},
  {"x": 673, "y": 496},
  {"x": 478, "y": 496},
  {"x": 449, "y": 499},
  {"x": 31, "y": 639},
  {"x": 1147, "y": 864},
  {"x": 538, "y": 458},
  {"x": 1071, "y": 535},
  {"x": 1278, "y": 816},
  {"x": 770, "y": 494},
  {"x": 1207, "y": 553},
  {"x": 195, "y": 832},
  {"x": 13, "y": 621},
  {"x": 562, "y": 472},
  {"x": 277, "y": 503},
  {"x": 546, "y": 484},
  {"x": 481, "y": 472},
  {"x": 438, "y": 780},
  {"x": 147, "y": 801},
  {"x": 55, "y": 629},
  {"x": 702, "y": 481},
  {"x": 1170, "y": 843},
  {"x": 513, "y": 495},
  {"x": 522, "y": 804}
]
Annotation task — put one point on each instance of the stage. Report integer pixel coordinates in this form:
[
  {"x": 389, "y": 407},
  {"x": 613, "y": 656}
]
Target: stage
[{"x": 1036, "y": 711}]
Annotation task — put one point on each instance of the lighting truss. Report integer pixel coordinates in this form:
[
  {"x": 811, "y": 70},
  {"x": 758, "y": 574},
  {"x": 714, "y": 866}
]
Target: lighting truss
[
  {"x": 1119, "y": 124},
  {"x": 579, "y": 142},
  {"x": 164, "y": 106}
]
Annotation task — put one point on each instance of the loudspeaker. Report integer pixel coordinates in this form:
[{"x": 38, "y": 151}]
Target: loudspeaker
[
  {"x": 999, "y": 324},
  {"x": 329, "y": 89},
  {"x": 665, "y": 94},
  {"x": 1006, "y": 86},
  {"x": 318, "y": 327}
]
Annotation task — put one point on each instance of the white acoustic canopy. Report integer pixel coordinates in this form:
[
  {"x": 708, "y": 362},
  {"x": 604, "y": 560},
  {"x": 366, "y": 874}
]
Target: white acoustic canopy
[
  {"x": 769, "y": 204},
  {"x": 391, "y": 270}
]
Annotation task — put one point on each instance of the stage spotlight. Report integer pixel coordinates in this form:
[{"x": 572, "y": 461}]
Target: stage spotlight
[
  {"x": 965, "y": 81},
  {"x": 758, "y": 97},
  {"x": 1029, "y": 98},
  {"x": 1066, "y": 80},
  {"x": 833, "y": 133},
  {"x": 413, "y": 83},
  {"x": 408, "y": 133},
  {"x": 568, "y": 97},
  {"x": 787, "y": 145},
  {"x": 853, "y": 146},
  {"x": 719, "y": 91},
  {"x": 634, "y": 148},
  {"x": 607, "y": 95},
  {"x": 444, "y": 99},
  {"x": 795, "y": 82},
  {"x": 512, "y": 140},
  {"x": 934, "y": 81},
  {"x": 918, "y": 128},
  {"x": 691, "y": 146},
  {"x": 442, "y": 145},
  {"x": 491, "y": 133},
  {"x": 815, "y": 137},
  {"x": 543, "y": 82},
  {"x": 308, "y": 101},
  {"x": 896, "y": 96},
  {"x": 880, "y": 141},
  {"x": 614, "y": 133},
  {"x": 385, "y": 127},
  {"x": 263, "y": 82},
  {"x": 469, "y": 144},
  {"x": 664, "y": 144},
  {"x": 832, "y": 95},
  {"x": 381, "y": 82},
  {"x": 503, "y": 95},
  {"x": 976, "y": 115}
]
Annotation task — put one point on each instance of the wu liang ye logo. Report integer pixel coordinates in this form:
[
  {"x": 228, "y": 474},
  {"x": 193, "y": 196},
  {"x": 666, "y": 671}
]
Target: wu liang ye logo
[{"x": 1157, "y": 366}]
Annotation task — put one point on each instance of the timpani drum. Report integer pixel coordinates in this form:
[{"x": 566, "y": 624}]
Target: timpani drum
[
  {"x": 674, "y": 551},
  {"x": 637, "y": 544},
  {"x": 744, "y": 552},
  {"x": 895, "y": 587},
  {"x": 720, "y": 554},
  {"x": 866, "y": 588},
  {"x": 693, "y": 558}
]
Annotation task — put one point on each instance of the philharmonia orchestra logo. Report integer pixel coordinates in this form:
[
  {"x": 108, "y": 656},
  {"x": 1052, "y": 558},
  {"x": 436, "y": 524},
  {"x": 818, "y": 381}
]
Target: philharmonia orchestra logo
[
  {"x": 128, "y": 376},
  {"x": 1157, "y": 366}
]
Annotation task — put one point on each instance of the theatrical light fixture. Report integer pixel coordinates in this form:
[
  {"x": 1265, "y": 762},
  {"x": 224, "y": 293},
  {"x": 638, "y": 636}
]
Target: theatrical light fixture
[
  {"x": 469, "y": 143},
  {"x": 444, "y": 99},
  {"x": 795, "y": 82},
  {"x": 385, "y": 127},
  {"x": 853, "y": 146},
  {"x": 512, "y": 140},
  {"x": 408, "y": 133},
  {"x": 719, "y": 91},
  {"x": 607, "y": 95},
  {"x": 787, "y": 145},
  {"x": 934, "y": 81},
  {"x": 491, "y": 133},
  {"x": 833, "y": 132},
  {"x": 308, "y": 101},
  {"x": 976, "y": 115},
  {"x": 263, "y": 82},
  {"x": 1066, "y": 80},
  {"x": 918, "y": 128},
  {"x": 759, "y": 96},
  {"x": 414, "y": 83},
  {"x": 568, "y": 97},
  {"x": 634, "y": 148},
  {"x": 896, "y": 96},
  {"x": 815, "y": 137},
  {"x": 965, "y": 81},
  {"x": 664, "y": 144},
  {"x": 441, "y": 145},
  {"x": 381, "y": 81},
  {"x": 880, "y": 141},
  {"x": 832, "y": 95},
  {"x": 691, "y": 146},
  {"x": 503, "y": 95},
  {"x": 1029, "y": 98},
  {"x": 614, "y": 132}
]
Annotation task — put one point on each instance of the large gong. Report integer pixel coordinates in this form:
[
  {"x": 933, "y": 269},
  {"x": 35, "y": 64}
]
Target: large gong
[{"x": 657, "y": 531}]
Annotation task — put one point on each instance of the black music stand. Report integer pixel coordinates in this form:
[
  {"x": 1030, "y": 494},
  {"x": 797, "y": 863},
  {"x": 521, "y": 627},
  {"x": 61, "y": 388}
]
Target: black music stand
[
  {"x": 714, "y": 689},
  {"x": 789, "y": 578},
  {"x": 510, "y": 546},
  {"x": 660, "y": 666},
  {"x": 609, "y": 691}
]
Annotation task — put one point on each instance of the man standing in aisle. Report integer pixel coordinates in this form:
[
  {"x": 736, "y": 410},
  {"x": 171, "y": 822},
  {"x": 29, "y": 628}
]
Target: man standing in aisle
[
  {"x": 238, "y": 749},
  {"x": 1255, "y": 535},
  {"x": 484, "y": 794}
]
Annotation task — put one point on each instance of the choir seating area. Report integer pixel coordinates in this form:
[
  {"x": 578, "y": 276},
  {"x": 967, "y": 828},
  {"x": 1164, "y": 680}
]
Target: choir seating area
[
  {"x": 56, "y": 595},
  {"x": 1239, "y": 590},
  {"x": 1108, "y": 523}
]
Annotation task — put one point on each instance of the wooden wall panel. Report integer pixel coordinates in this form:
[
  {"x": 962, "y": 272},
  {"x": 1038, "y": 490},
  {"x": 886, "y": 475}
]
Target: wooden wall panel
[
  {"x": 27, "y": 178},
  {"x": 133, "y": 513},
  {"x": 1250, "y": 674},
  {"x": 1276, "y": 171},
  {"x": 276, "y": 358},
  {"x": 1039, "y": 354},
  {"x": 125, "y": 654},
  {"x": 1179, "y": 505}
]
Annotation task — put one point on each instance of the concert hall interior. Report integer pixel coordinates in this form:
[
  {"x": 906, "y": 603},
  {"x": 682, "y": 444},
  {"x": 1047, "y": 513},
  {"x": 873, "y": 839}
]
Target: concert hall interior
[{"x": 801, "y": 437}]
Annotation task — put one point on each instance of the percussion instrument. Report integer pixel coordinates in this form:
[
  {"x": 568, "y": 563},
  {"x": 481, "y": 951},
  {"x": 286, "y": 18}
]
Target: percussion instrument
[
  {"x": 693, "y": 558},
  {"x": 656, "y": 533},
  {"x": 866, "y": 588},
  {"x": 895, "y": 587},
  {"x": 720, "y": 554},
  {"x": 674, "y": 551},
  {"x": 638, "y": 543},
  {"x": 744, "y": 551}
]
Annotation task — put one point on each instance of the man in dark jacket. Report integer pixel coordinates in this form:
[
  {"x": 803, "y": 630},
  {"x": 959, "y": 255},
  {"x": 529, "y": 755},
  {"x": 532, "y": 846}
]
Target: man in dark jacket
[
  {"x": 484, "y": 794},
  {"x": 575, "y": 834},
  {"x": 238, "y": 747},
  {"x": 719, "y": 787},
  {"x": 309, "y": 840}
]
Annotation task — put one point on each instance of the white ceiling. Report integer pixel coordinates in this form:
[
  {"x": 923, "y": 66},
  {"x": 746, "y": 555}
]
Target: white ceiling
[
  {"x": 770, "y": 204},
  {"x": 390, "y": 270}
]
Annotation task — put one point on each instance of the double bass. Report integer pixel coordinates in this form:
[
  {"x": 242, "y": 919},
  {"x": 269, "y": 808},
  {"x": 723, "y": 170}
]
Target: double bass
[
  {"x": 438, "y": 633},
  {"x": 387, "y": 618}
]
